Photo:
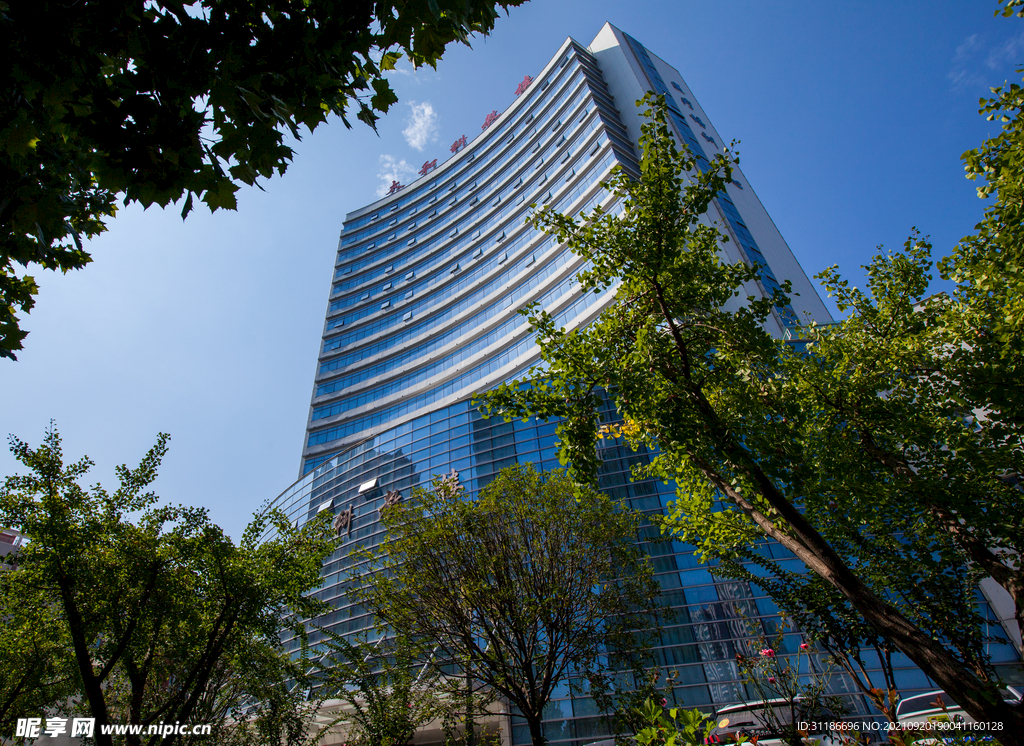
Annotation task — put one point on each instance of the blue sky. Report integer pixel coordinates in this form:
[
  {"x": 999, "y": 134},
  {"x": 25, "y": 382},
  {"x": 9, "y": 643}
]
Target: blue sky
[{"x": 851, "y": 116}]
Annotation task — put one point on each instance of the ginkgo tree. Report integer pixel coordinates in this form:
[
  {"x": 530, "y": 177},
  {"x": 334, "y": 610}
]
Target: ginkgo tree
[
  {"x": 870, "y": 449},
  {"x": 138, "y": 613}
]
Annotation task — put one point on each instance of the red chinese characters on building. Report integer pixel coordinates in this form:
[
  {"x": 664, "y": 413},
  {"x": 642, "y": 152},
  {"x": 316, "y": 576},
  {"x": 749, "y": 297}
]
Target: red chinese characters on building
[
  {"x": 460, "y": 143},
  {"x": 343, "y": 521},
  {"x": 489, "y": 120},
  {"x": 428, "y": 166},
  {"x": 524, "y": 85},
  {"x": 393, "y": 497},
  {"x": 449, "y": 484},
  {"x": 395, "y": 186}
]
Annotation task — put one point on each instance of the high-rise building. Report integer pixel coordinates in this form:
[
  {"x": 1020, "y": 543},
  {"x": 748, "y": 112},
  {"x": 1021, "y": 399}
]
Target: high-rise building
[
  {"x": 423, "y": 313},
  {"x": 428, "y": 280}
]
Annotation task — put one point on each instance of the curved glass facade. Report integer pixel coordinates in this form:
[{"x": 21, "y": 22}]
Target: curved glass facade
[
  {"x": 428, "y": 281},
  {"x": 423, "y": 313},
  {"x": 715, "y": 618}
]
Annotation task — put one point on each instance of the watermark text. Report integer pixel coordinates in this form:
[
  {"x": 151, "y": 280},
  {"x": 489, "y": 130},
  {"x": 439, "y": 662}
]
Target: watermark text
[{"x": 86, "y": 727}]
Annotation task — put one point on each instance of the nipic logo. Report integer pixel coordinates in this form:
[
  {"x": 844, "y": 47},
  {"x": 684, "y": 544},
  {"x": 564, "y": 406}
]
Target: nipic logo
[
  {"x": 85, "y": 727},
  {"x": 33, "y": 727}
]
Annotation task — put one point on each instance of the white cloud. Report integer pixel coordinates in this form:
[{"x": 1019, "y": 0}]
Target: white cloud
[
  {"x": 1008, "y": 53},
  {"x": 421, "y": 126},
  {"x": 963, "y": 79},
  {"x": 392, "y": 169},
  {"x": 967, "y": 49},
  {"x": 962, "y": 76},
  {"x": 975, "y": 52}
]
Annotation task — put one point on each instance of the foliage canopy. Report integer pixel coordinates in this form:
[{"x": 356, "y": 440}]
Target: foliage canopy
[
  {"x": 871, "y": 449},
  {"x": 162, "y": 617},
  {"x": 166, "y": 99},
  {"x": 387, "y": 687},
  {"x": 536, "y": 580}
]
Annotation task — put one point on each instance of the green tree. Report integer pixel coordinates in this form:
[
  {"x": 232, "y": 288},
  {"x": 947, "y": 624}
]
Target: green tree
[
  {"x": 388, "y": 688},
  {"x": 853, "y": 447},
  {"x": 980, "y": 329},
  {"x": 33, "y": 659},
  {"x": 259, "y": 695},
  {"x": 162, "y": 100},
  {"x": 158, "y": 608},
  {"x": 536, "y": 580},
  {"x": 988, "y": 267}
]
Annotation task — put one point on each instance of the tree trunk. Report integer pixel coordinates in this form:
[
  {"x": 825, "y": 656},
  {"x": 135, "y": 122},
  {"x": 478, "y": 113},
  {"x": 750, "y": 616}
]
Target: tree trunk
[
  {"x": 92, "y": 686},
  {"x": 536, "y": 732},
  {"x": 979, "y": 698}
]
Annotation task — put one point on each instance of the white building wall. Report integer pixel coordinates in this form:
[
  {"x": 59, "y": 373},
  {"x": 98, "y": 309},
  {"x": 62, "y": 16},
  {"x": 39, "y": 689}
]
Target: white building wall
[{"x": 628, "y": 83}]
